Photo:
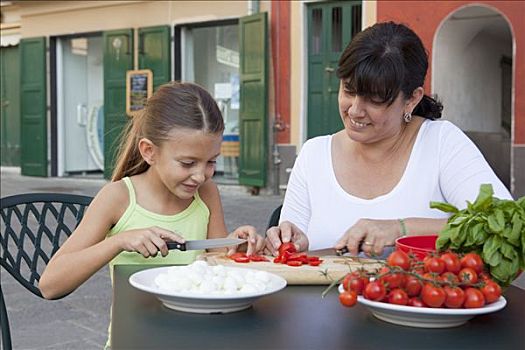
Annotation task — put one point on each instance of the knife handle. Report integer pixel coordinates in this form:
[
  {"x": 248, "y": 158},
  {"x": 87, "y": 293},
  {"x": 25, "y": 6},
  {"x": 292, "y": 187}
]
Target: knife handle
[{"x": 176, "y": 245}]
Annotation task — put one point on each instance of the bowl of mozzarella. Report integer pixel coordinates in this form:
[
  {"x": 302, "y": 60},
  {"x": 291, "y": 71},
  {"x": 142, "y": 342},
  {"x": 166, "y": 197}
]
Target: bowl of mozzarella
[{"x": 201, "y": 288}]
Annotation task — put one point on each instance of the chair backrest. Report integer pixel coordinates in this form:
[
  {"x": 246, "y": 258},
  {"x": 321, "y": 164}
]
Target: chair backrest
[
  {"x": 274, "y": 218},
  {"x": 32, "y": 228}
]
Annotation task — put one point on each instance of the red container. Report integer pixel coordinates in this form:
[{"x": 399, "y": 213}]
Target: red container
[{"x": 420, "y": 246}]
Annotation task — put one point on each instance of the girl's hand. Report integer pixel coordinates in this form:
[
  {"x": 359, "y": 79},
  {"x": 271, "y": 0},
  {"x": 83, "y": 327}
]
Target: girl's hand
[
  {"x": 255, "y": 241},
  {"x": 371, "y": 235},
  {"x": 148, "y": 241},
  {"x": 284, "y": 233}
]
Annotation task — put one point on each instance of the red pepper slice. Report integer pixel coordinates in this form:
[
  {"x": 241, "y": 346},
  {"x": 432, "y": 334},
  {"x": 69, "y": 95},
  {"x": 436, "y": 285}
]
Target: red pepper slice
[
  {"x": 294, "y": 263},
  {"x": 242, "y": 259},
  {"x": 257, "y": 258},
  {"x": 236, "y": 255},
  {"x": 315, "y": 262}
]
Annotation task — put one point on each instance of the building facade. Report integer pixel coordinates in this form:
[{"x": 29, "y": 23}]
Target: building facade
[{"x": 269, "y": 64}]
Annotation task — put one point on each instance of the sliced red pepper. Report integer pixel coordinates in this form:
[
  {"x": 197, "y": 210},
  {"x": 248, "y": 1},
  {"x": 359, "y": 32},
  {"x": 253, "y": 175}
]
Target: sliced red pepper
[
  {"x": 257, "y": 258},
  {"x": 315, "y": 262},
  {"x": 313, "y": 258},
  {"x": 236, "y": 255},
  {"x": 294, "y": 263},
  {"x": 278, "y": 260},
  {"x": 242, "y": 259},
  {"x": 297, "y": 256}
]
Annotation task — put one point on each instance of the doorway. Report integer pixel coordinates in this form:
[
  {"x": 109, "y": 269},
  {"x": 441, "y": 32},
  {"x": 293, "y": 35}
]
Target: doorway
[
  {"x": 80, "y": 103},
  {"x": 472, "y": 76},
  {"x": 10, "y": 106},
  {"x": 331, "y": 26}
]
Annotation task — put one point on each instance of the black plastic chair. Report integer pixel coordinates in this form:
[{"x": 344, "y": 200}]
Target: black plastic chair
[
  {"x": 274, "y": 218},
  {"x": 32, "y": 228}
]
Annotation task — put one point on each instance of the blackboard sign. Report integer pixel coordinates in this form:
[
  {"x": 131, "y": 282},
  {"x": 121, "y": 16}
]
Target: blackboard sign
[{"x": 139, "y": 87}]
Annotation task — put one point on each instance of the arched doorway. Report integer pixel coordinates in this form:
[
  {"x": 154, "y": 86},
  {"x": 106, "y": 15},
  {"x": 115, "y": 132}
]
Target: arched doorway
[{"x": 472, "y": 76}]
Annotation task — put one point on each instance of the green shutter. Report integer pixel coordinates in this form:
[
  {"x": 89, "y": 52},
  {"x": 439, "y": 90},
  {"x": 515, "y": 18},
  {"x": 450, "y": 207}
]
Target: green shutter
[
  {"x": 155, "y": 53},
  {"x": 118, "y": 59},
  {"x": 33, "y": 106},
  {"x": 253, "y": 117},
  {"x": 10, "y": 105}
]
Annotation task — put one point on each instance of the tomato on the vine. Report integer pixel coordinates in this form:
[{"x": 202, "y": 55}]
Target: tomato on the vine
[
  {"x": 473, "y": 261},
  {"x": 449, "y": 278},
  {"x": 468, "y": 275},
  {"x": 491, "y": 291},
  {"x": 434, "y": 264},
  {"x": 375, "y": 291},
  {"x": 452, "y": 262},
  {"x": 473, "y": 298},
  {"x": 413, "y": 286},
  {"x": 455, "y": 297},
  {"x": 415, "y": 301},
  {"x": 391, "y": 279},
  {"x": 399, "y": 258},
  {"x": 398, "y": 296},
  {"x": 353, "y": 281},
  {"x": 348, "y": 298},
  {"x": 432, "y": 295}
]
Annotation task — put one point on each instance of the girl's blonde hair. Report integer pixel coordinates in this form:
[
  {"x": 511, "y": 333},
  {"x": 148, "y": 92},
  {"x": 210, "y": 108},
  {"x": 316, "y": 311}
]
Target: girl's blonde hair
[{"x": 176, "y": 104}]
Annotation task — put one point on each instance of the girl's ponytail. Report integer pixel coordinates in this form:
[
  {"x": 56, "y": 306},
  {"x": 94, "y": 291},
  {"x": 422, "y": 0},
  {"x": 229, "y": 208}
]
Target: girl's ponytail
[
  {"x": 428, "y": 108},
  {"x": 129, "y": 160}
]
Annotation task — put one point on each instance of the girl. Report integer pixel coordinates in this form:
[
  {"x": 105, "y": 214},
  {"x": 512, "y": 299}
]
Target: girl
[{"x": 161, "y": 191}]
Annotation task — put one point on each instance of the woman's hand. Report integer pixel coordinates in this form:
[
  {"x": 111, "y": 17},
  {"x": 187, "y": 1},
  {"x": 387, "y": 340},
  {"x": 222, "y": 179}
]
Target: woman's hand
[
  {"x": 148, "y": 241},
  {"x": 284, "y": 233},
  {"x": 255, "y": 241},
  {"x": 370, "y": 235}
]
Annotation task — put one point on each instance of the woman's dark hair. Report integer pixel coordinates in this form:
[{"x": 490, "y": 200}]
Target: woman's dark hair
[
  {"x": 173, "y": 105},
  {"x": 385, "y": 59}
]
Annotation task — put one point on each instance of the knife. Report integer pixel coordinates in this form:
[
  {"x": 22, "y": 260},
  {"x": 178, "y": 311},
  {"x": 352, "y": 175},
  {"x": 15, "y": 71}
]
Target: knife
[
  {"x": 344, "y": 250},
  {"x": 205, "y": 243}
]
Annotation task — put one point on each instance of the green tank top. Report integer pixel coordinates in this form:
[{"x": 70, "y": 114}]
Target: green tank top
[{"x": 192, "y": 223}]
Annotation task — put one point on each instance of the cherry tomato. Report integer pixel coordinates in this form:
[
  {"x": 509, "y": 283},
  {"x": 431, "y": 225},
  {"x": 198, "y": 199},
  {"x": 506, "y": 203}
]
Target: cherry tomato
[
  {"x": 452, "y": 262},
  {"x": 353, "y": 282},
  {"x": 242, "y": 259},
  {"x": 468, "y": 275},
  {"x": 348, "y": 298},
  {"x": 415, "y": 301},
  {"x": 449, "y": 278},
  {"x": 455, "y": 297},
  {"x": 473, "y": 298},
  {"x": 491, "y": 291},
  {"x": 413, "y": 286},
  {"x": 375, "y": 291},
  {"x": 391, "y": 279},
  {"x": 398, "y": 296},
  {"x": 434, "y": 264},
  {"x": 287, "y": 247},
  {"x": 399, "y": 258},
  {"x": 433, "y": 296},
  {"x": 473, "y": 261}
]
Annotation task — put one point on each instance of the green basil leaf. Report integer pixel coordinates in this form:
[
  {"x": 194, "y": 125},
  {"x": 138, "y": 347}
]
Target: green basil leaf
[
  {"x": 446, "y": 207},
  {"x": 505, "y": 271},
  {"x": 443, "y": 240},
  {"x": 494, "y": 224},
  {"x": 484, "y": 199},
  {"x": 508, "y": 251},
  {"x": 479, "y": 234},
  {"x": 491, "y": 254}
]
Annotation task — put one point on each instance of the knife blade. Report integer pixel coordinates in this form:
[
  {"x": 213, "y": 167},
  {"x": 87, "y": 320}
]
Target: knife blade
[
  {"x": 201, "y": 244},
  {"x": 344, "y": 250}
]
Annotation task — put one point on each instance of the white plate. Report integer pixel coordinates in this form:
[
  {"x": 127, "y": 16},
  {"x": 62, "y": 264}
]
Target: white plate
[
  {"x": 426, "y": 317},
  {"x": 202, "y": 303}
]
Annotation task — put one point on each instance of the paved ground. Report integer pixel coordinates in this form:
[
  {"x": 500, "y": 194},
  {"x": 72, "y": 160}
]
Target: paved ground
[{"x": 80, "y": 321}]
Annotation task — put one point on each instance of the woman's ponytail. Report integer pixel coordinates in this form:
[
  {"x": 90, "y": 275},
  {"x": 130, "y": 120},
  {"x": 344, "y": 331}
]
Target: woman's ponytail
[{"x": 429, "y": 108}]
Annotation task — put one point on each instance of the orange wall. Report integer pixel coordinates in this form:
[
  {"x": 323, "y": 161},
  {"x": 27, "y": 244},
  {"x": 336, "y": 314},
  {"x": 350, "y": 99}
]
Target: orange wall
[{"x": 424, "y": 18}]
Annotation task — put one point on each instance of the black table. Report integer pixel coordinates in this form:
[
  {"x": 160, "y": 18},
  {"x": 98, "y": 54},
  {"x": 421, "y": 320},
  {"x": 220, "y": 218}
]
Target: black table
[{"x": 297, "y": 318}]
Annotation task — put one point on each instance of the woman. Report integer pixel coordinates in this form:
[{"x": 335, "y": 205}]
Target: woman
[{"x": 372, "y": 182}]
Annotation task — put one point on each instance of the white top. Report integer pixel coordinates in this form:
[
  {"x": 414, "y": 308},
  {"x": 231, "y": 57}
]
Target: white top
[{"x": 444, "y": 166}]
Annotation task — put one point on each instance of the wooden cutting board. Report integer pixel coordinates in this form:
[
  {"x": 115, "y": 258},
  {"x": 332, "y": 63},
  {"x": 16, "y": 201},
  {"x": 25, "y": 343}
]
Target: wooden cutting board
[{"x": 332, "y": 268}]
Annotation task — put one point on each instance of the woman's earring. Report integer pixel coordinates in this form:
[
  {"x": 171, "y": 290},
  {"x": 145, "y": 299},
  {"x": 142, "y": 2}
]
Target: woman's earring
[{"x": 407, "y": 117}]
